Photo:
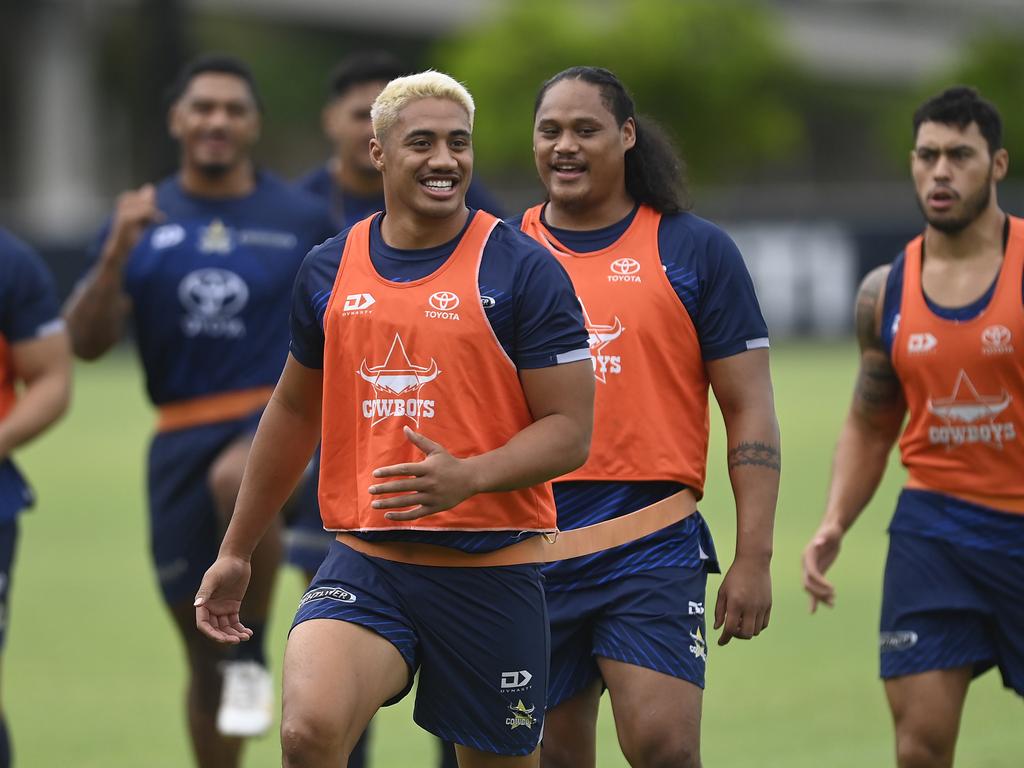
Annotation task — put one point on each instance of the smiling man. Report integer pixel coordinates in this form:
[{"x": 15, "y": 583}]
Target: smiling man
[
  {"x": 203, "y": 264},
  {"x": 937, "y": 331},
  {"x": 671, "y": 313},
  {"x": 444, "y": 355}
]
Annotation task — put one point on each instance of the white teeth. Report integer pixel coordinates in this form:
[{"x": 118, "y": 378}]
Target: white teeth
[{"x": 446, "y": 184}]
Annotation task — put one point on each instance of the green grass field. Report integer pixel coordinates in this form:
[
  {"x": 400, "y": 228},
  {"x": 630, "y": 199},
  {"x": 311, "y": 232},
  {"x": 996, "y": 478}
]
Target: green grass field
[{"x": 93, "y": 673}]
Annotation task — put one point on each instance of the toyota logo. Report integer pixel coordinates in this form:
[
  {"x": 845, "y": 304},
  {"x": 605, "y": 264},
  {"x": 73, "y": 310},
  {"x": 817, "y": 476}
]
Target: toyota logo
[
  {"x": 444, "y": 301},
  {"x": 626, "y": 266},
  {"x": 996, "y": 336}
]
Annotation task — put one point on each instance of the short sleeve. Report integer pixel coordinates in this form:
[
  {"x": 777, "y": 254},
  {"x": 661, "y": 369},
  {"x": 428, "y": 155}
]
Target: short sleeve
[
  {"x": 310, "y": 296},
  {"x": 708, "y": 274},
  {"x": 30, "y": 308},
  {"x": 549, "y": 326}
]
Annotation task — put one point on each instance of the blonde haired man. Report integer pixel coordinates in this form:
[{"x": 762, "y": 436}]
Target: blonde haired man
[
  {"x": 450, "y": 358},
  {"x": 401, "y": 91}
]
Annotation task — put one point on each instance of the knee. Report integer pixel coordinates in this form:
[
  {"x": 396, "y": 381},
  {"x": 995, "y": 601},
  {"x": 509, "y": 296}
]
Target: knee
[
  {"x": 665, "y": 749},
  {"x": 224, "y": 480},
  {"x": 556, "y": 753},
  {"x": 923, "y": 748},
  {"x": 306, "y": 741}
]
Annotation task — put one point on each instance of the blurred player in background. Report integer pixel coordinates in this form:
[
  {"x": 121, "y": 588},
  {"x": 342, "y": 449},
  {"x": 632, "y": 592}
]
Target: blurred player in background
[
  {"x": 203, "y": 264},
  {"x": 35, "y": 356},
  {"x": 423, "y": 334},
  {"x": 938, "y": 330},
  {"x": 670, "y": 309},
  {"x": 348, "y": 181}
]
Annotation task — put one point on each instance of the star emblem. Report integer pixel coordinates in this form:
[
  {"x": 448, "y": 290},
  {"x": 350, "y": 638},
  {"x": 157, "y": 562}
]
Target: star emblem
[
  {"x": 966, "y": 406},
  {"x": 397, "y": 376}
]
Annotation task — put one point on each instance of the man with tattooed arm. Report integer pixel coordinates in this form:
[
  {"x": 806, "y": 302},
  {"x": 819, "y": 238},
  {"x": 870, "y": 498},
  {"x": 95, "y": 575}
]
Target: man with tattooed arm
[
  {"x": 671, "y": 312},
  {"x": 937, "y": 331}
]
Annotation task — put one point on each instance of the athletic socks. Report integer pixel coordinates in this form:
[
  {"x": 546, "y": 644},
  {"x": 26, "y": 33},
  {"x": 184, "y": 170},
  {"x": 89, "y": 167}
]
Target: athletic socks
[{"x": 252, "y": 649}]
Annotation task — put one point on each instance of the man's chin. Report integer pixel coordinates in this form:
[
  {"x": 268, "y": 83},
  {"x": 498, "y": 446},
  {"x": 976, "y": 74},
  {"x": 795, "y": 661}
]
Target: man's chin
[
  {"x": 950, "y": 225},
  {"x": 441, "y": 209},
  {"x": 214, "y": 170}
]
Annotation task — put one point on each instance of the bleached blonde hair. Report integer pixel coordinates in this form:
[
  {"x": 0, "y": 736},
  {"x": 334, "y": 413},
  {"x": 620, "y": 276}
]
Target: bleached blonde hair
[{"x": 402, "y": 91}]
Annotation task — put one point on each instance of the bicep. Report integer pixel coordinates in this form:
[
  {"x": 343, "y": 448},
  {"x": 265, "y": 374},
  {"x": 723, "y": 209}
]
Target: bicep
[
  {"x": 742, "y": 381},
  {"x": 878, "y": 396},
  {"x": 41, "y": 357},
  {"x": 300, "y": 390},
  {"x": 566, "y": 390}
]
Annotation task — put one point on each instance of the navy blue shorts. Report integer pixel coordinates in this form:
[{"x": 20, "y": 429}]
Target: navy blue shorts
[
  {"x": 477, "y": 636},
  {"x": 652, "y": 619},
  {"x": 306, "y": 541},
  {"x": 183, "y": 526},
  {"x": 8, "y": 544},
  {"x": 946, "y": 606}
]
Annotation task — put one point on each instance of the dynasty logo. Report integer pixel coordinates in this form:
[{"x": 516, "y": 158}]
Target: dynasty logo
[
  {"x": 599, "y": 337},
  {"x": 970, "y": 417},
  {"x": 396, "y": 386}
]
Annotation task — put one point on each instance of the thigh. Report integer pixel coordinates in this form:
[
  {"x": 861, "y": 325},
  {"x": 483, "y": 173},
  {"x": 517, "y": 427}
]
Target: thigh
[
  {"x": 484, "y": 654},
  {"x": 657, "y": 716},
  {"x": 655, "y": 620},
  {"x": 926, "y": 709},
  {"x": 571, "y": 616},
  {"x": 570, "y": 730},
  {"x": 475, "y": 758},
  {"x": 336, "y": 676},
  {"x": 933, "y": 616},
  {"x": 1000, "y": 578},
  {"x": 306, "y": 541},
  {"x": 8, "y": 545},
  {"x": 224, "y": 476},
  {"x": 350, "y": 588},
  {"x": 183, "y": 525}
]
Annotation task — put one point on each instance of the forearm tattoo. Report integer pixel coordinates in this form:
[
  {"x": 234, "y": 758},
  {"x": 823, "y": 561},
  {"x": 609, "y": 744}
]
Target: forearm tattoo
[{"x": 755, "y": 454}]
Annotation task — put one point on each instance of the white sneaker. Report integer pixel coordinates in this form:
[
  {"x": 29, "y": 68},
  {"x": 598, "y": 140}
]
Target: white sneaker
[{"x": 246, "y": 699}]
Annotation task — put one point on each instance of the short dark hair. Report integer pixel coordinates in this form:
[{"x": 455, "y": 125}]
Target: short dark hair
[
  {"x": 961, "y": 106},
  {"x": 363, "y": 67},
  {"x": 655, "y": 172},
  {"x": 214, "y": 62}
]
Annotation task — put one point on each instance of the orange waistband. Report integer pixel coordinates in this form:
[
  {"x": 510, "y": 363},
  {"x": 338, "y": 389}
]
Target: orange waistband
[
  {"x": 223, "y": 406},
  {"x": 1013, "y": 505},
  {"x": 538, "y": 549}
]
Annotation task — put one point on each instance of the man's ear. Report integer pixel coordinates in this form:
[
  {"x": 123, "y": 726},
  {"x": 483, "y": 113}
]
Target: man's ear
[{"x": 377, "y": 154}]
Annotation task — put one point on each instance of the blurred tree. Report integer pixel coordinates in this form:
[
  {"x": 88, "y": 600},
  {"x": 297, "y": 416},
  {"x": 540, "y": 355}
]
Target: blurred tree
[
  {"x": 713, "y": 73},
  {"x": 994, "y": 65},
  {"x": 990, "y": 62}
]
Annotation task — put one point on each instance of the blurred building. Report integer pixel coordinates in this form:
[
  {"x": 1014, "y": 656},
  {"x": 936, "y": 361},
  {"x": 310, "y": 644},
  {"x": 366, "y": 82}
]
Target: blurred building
[{"x": 82, "y": 116}]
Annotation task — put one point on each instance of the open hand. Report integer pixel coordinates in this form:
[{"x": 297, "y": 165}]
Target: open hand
[
  {"x": 438, "y": 482},
  {"x": 219, "y": 599}
]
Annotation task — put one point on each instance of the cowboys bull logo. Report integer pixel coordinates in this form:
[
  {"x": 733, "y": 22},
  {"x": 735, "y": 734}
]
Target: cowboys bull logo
[
  {"x": 521, "y": 715},
  {"x": 970, "y": 417},
  {"x": 396, "y": 386},
  {"x": 212, "y": 299},
  {"x": 599, "y": 337}
]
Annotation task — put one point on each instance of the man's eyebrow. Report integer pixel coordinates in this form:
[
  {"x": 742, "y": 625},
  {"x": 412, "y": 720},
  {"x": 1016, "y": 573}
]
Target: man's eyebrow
[
  {"x": 426, "y": 133},
  {"x": 429, "y": 134}
]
